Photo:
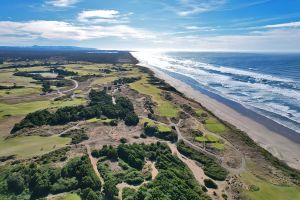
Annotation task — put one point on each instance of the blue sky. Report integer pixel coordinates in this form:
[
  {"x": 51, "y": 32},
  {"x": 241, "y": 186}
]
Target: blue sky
[{"x": 209, "y": 25}]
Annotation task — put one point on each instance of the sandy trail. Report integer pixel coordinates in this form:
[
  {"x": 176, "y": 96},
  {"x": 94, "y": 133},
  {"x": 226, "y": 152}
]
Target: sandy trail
[{"x": 94, "y": 164}]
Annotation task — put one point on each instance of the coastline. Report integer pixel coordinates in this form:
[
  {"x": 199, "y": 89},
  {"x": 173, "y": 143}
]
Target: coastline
[{"x": 280, "y": 146}]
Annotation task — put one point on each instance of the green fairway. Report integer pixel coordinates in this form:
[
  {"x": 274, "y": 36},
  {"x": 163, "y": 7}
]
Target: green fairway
[
  {"x": 28, "y": 107},
  {"x": 215, "y": 141},
  {"x": 269, "y": 191},
  {"x": 29, "y": 146},
  {"x": 70, "y": 197},
  {"x": 218, "y": 146},
  {"x": 21, "y": 108},
  {"x": 164, "y": 108},
  {"x": 93, "y": 120},
  {"x": 20, "y": 91},
  {"x": 207, "y": 138},
  {"x": 214, "y": 126},
  {"x": 161, "y": 127}
]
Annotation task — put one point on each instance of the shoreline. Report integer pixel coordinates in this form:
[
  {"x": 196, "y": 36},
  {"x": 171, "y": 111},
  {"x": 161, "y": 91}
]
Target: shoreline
[{"x": 266, "y": 136}]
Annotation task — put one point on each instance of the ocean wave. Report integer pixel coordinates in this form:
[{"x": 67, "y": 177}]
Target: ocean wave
[{"x": 275, "y": 97}]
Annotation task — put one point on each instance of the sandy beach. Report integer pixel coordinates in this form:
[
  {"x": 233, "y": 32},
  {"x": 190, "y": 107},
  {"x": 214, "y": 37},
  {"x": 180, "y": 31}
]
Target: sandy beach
[{"x": 278, "y": 145}]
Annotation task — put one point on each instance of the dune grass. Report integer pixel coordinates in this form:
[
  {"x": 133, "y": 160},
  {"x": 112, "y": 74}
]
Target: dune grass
[
  {"x": 268, "y": 191},
  {"x": 164, "y": 108},
  {"x": 214, "y": 126},
  {"x": 29, "y": 146}
]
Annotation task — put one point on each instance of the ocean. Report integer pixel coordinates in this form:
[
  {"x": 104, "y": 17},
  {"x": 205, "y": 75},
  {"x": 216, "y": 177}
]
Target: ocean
[{"x": 265, "y": 83}]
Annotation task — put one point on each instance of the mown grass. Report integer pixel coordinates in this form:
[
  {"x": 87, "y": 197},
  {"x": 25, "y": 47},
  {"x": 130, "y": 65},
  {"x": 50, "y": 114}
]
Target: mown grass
[
  {"x": 268, "y": 191},
  {"x": 207, "y": 138},
  {"x": 214, "y": 125},
  {"x": 218, "y": 146},
  {"x": 20, "y": 91},
  {"x": 164, "y": 108},
  {"x": 29, "y": 146},
  {"x": 70, "y": 197},
  {"x": 83, "y": 69},
  {"x": 215, "y": 141},
  {"x": 8, "y": 79},
  {"x": 104, "y": 80},
  {"x": 161, "y": 127},
  {"x": 93, "y": 120},
  {"x": 28, "y": 107}
]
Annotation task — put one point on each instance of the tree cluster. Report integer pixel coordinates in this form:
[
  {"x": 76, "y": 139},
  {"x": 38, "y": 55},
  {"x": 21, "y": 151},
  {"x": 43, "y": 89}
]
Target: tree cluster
[
  {"x": 33, "y": 181},
  {"x": 152, "y": 130},
  {"x": 100, "y": 104}
]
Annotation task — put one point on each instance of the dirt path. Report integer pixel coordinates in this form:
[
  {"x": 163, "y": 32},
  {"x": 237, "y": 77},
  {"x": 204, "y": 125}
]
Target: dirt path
[
  {"x": 71, "y": 128},
  {"x": 94, "y": 164},
  {"x": 74, "y": 88},
  {"x": 154, "y": 171}
]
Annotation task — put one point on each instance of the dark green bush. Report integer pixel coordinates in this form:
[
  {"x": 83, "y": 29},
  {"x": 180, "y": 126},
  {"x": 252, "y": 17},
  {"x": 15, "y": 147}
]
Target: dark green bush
[{"x": 210, "y": 184}]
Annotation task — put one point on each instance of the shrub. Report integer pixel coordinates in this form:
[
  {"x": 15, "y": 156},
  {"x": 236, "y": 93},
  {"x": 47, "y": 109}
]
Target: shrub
[
  {"x": 15, "y": 183},
  {"x": 123, "y": 140},
  {"x": 210, "y": 184},
  {"x": 131, "y": 119}
]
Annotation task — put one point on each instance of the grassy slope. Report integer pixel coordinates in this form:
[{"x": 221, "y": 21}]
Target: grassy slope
[
  {"x": 268, "y": 191},
  {"x": 28, "y": 146},
  {"x": 164, "y": 108}
]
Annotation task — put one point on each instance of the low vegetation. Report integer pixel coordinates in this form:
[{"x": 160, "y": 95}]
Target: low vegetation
[{"x": 77, "y": 135}]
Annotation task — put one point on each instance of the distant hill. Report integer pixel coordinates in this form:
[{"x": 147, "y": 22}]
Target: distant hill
[
  {"x": 46, "y": 48},
  {"x": 70, "y": 53}
]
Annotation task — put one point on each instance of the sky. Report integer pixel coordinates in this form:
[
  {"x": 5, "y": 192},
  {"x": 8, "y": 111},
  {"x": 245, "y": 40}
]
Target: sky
[{"x": 194, "y": 25}]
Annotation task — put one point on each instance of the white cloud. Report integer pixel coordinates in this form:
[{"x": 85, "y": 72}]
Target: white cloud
[
  {"x": 285, "y": 25},
  {"x": 190, "y": 7},
  {"x": 55, "y": 30},
  {"x": 102, "y": 16},
  {"x": 61, "y": 3},
  {"x": 192, "y": 27}
]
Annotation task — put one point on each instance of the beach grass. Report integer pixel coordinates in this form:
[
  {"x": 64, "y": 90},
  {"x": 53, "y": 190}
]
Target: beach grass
[
  {"x": 29, "y": 146},
  {"x": 268, "y": 191},
  {"x": 214, "y": 126},
  {"x": 164, "y": 108}
]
